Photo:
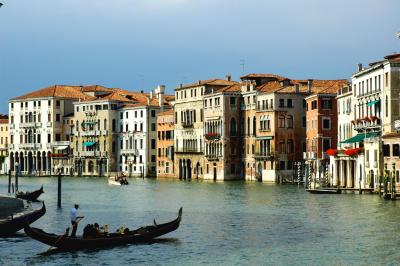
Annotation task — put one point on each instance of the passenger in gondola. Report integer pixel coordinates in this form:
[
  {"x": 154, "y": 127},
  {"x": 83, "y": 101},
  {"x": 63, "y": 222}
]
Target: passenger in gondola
[{"x": 74, "y": 219}]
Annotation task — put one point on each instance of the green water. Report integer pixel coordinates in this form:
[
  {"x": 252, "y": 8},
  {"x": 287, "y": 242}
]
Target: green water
[{"x": 231, "y": 223}]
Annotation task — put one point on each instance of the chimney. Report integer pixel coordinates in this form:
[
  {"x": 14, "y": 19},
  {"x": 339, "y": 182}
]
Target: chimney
[
  {"x": 297, "y": 87},
  {"x": 359, "y": 67},
  {"x": 148, "y": 100},
  {"x": 309, "y": 85},
  {"x": 160, "y": 92},
  {"x": 141, "y": 91},
  {"x": 198, "y": 82},
  {"x": 228, "y": 77},
  {"x": 180, "y": 85},
  {"x": 151, "y": 94}
]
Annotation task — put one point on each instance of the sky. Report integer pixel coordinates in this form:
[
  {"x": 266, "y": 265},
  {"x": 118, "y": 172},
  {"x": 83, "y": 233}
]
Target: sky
[{"x": 139, "y": 44}]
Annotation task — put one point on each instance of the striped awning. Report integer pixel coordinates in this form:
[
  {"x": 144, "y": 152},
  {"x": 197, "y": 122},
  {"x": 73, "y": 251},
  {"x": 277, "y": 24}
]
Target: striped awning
[
  {"x": 89, "y": 143},
  {"x": 373, "y": 102},
  {"x": 360, "y": 137}
]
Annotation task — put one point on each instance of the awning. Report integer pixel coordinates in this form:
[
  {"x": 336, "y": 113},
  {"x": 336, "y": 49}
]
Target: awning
[
  {"x": 89, "y": 143},
  {"x": 360, "y": 137},
  {"x": 373, "y": 102},
  {"x": 89, "y": 123},
  {"x": 60, "y": 148},
  {"x": 265, "y": 137}
]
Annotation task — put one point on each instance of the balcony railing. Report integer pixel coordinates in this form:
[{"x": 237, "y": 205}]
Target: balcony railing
[
  {"x": 187, "y": 124},
  {"x": 213, "y": 157},
  {"x": 30, "y": 146},
  {"x": 130, "y": 152},
  {"x": 90, "y": 133},
  {"x": 188, "y": 150},
  {"x": 212, "y": 136},
  {"x": 263, "y": 155},
  {"x": 30, "y": 124}
]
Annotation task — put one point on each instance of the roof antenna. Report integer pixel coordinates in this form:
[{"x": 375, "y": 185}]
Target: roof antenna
[{"x": 242, "y": 63}]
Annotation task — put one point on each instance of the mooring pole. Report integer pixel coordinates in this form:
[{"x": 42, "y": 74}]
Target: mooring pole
[
  {"x": 9, "y": 181},
  {"x": 16, "y": 180},
  {"x": 59, "y": 191}
]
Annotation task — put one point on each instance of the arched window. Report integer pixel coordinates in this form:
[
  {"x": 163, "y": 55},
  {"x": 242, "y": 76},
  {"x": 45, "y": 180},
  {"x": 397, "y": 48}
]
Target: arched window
[
  {"x": 105, "y": 124},
  {"x": 233, "y": 127},
  {"x": 289, "y": 121},
  {"x": 281, "y": 121},
  {"x": 248, "y": 126},
  {"x": 386, "y": 106},
  {"x": 290, "y": 146}
]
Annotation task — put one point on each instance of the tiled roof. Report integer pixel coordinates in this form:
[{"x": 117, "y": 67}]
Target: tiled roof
[
  {"x": 3, "y": 121},
  {"x": 231, "y": 88},
  {"x": 318, "y": 86},
  {"x": 209, "y": 82},
  {"x": 113, "y": 96},
  {"x": 168, "y": 112},
  {"x": 92, "y": 88},
  {"x": 254, "y": 75},
  {"x": 393, "y": 57},
  {"x": 61, "y": 91}
]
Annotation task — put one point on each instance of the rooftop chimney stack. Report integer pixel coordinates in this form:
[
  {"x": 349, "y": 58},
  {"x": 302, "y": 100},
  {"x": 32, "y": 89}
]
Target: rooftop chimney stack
[
  {"x": 309, "y": 85},
  {"x": 228, "y": 77},
  {"x": 159, "y": 94},
  {"x": 199, "y": 82},
  {"x": 297, "y": 88},
  {"x": 360, "y": 67}
]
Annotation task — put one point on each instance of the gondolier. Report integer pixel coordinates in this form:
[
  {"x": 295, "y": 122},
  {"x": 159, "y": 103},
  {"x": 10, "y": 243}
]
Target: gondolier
[{"x": 74, "y": 219}]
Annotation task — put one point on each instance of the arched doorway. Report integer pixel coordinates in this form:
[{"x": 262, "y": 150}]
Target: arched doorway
[
  {"x": 197, "y": 170},
  {"x": 38, "y": 162},
  {"x": 30, "y": 163},
  {"x": 214, "y": 171},
  {"x": 90, "y": 167},
  {"x": 259, "y": 171},
  {"x": 44, "y": 162},
  {"x": 189, "y": 169},
  {"x": 180, "y": 169},
  {"x": 21, "y": 162}
]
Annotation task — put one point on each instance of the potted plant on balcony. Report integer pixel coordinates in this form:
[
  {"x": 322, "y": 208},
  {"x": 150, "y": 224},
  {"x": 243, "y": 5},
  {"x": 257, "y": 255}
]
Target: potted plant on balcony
[
  {"x": 373, "y": 118},
  {"x": 366, "y": 118},
  {"x": 332, "y": 152},
  {"x": 211, "y": 136}
]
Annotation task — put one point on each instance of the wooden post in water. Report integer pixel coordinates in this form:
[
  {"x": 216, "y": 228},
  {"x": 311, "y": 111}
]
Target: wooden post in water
[
  {"x": 59, "y": 190},
  {"x": 16, "y": 179},
  {"x": 9, "y": 181}
]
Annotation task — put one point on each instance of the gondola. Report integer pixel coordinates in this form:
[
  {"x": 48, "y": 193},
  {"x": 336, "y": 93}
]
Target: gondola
[
  {"x": 16, "y": 222},
  {"x": 324, "y": 191},
  {"x": 31, "y": 196},
  {"x": 141, "y": 235}
]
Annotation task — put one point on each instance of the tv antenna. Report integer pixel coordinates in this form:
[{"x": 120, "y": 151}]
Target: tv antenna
[{"x": 242, "y": 64}]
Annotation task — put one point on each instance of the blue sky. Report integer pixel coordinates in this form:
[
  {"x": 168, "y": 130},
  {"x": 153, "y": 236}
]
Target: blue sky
[{"x": 138, "y": 44}]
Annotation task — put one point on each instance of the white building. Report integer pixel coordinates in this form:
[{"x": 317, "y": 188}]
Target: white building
[
  {"x": 36, "y": 127},
  {"x": 137, "y": 149}
]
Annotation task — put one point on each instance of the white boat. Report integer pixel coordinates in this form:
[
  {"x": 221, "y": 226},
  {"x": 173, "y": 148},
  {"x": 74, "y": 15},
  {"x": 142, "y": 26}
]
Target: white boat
[
  {"x": 111, "y": 181},
  {"x": 118, "y": 180}
]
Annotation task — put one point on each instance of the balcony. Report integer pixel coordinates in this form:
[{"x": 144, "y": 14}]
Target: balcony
[
  {"x": 134, "y": 152},
  {"x": 188, "y": 150},
  {"x": 30, "y": 125},
  {"x": 262, "y": 108},
  {"x": 90, "y": 133},
  {"x": 262, "y": 156},
  {"x": 264, "y": 130},
  {"x": 212, "y": 136},
  {"x": 309, "y": 155},
  {"x": 187, "y": 124},
  {"x": 213, "y": 157},
  {"x": 58, "y": 145},
  {"x": 30, "y": 146}
]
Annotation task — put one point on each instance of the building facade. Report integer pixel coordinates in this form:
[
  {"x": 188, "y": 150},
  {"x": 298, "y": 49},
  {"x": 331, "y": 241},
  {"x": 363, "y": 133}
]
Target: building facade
[
  {"x": 165, "y": 145},
  {"x": 4, "y": 138}
]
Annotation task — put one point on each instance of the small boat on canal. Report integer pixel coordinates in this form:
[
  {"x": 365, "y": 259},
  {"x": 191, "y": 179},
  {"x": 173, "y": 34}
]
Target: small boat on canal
[
  {"x": 141, "y": 235},
  {"x": 118, "y": 180},
  {"x": 324, "y": 190},
  {"x": 16, "y": 222},
  {"x": 30, "y": 196}
]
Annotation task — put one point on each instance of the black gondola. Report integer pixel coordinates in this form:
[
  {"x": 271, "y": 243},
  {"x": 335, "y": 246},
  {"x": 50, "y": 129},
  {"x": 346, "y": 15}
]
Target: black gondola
[
  {"x": 31, "y": 196},
  {"x": 16, "y": 222},
  {"x": 140, "y": 235}
]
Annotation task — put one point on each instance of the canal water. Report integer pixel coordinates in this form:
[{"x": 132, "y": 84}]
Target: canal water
[{"x": 230, "y": 223}]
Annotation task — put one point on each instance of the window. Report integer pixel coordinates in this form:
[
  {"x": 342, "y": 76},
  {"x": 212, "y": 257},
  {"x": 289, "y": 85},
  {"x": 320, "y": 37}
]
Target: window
[
  {"x": 290, "y": 146},
  {"x": 153, "y": 158},
  {"x": 281, "y": 121},
  {"x": 153, "y": 143},
  {"x": 233, "y": 127},
  {"x": 386, "y": 79},
  {"x": 58, "y": 103},
  {"x": 153, "y": 126},
  {"x": 205, "y": 104},
  {"x": 304, "y": 121},
  {"x": 153, "y": 113},
  {"x": 289, "y": 103},
  {"x": 282, "y": 165},
  {"x": 314, "y": 105},
  {"x": 232, "y": 100},
  {"x": 326, "y": 123},
  {"x": 396, "y": 151},
  {"x": 326, "y": 144},
  {"x": 386, "y": 150},
  {"x": 58, "y": 137},
  {"x": 57, "y": 117},
  {"x": 281, "y": 102},
  {"x": 327, "y": 104},
  {"x": 49, "y": 138},
  {"x": 114, "y": 125},
  {"x": 289, "y": 120}
]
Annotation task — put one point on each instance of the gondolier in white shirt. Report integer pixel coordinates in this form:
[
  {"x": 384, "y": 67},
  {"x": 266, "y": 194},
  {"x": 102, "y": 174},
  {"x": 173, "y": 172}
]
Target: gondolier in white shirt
[{"x": 75, "y": 219}]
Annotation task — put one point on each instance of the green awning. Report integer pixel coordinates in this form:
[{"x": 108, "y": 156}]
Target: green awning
[
  {"x": 89, "y": 143},
  {"x": 373, "y": 102},
  {"x": 360, "y": 137},
  {"x": 264, "y": 137},
  {"x": 89, "y": 123}
]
